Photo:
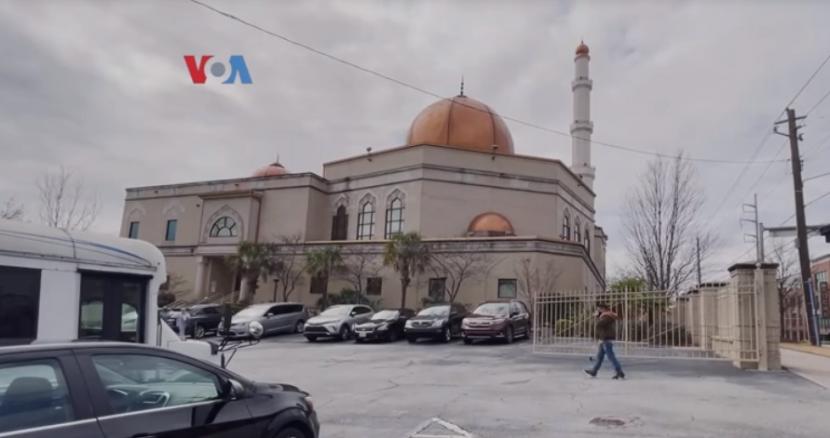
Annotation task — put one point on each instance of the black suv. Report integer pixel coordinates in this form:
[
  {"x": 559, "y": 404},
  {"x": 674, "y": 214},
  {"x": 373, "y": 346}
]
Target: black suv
[
  {"x": 98, "y": 390},
  {"x": 201, "y": 319},
  {"x": 441, "y": 322}
]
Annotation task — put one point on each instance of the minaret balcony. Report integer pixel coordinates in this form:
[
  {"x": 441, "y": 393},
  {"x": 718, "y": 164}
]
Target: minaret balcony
[
  {"x": 582, "y": 125},
  {"x": 582, "y": 83}
]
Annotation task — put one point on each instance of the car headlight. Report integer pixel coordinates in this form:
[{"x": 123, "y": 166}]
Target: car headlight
[
  {"x": 408, "y": 324},
  {"x": 438, "y": 323},
  {"x": 384, "y": 326},
  {"x": 255, "y": 329}
]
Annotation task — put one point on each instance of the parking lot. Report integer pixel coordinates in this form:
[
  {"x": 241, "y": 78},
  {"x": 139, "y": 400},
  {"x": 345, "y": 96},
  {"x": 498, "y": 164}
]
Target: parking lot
[{"x": 494, "y": 391}]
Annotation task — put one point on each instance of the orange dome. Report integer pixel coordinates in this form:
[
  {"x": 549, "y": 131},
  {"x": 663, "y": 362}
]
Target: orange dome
[
  {"x": 273, "y": 169},
  {"x": 463, "y": 123},
  {"x": 490, "y": 224},
  {"x": 582, "y": 49}
]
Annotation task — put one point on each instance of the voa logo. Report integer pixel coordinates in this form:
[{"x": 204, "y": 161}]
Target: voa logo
[{"x": 198, "y": 69}]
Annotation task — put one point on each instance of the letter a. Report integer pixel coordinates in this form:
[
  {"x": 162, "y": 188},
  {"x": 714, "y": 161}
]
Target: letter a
[
  {"x": 197, "y": 73},
  {"x": 238, "y": 66}
]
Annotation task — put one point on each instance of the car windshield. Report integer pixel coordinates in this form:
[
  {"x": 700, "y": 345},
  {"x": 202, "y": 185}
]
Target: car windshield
[
  {"x": 251, "y": 312},
  {"x": 435, "y": 311},
  {"x": 336, "y": 311},
  {"x": 385, "y": 314},
  {"x": 493, "y": 309}
]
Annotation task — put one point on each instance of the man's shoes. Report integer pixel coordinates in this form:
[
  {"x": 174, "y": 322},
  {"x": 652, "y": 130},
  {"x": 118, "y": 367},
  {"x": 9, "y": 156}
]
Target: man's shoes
[
  {"x": 591, "y": 373},
  {"x": 619, "y": 375}
]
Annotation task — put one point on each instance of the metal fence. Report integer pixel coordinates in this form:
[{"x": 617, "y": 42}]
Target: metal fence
[{"x": 714, "y": 324}]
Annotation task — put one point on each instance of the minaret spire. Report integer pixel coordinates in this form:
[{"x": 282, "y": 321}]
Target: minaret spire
[
  {"x": 582, "y": 127},
  {"x": 462, "y": 86}
]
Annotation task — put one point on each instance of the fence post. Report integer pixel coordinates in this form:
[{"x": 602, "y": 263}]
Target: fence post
[
  {"x": 761, "y": 319},
  {"x": 626, "y": 338}
]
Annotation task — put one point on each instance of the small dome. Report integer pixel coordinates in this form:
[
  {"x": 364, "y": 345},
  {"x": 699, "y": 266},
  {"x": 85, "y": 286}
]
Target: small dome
[
  {"x": 463, "y": 123},
  {"x": 273, "y": 169},
  {"x": 582, "y": 48},
  {"x": 490, "y": 224}
]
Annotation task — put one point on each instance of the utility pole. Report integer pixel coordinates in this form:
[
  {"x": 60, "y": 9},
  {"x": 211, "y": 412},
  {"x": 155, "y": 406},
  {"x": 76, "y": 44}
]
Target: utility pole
[
  {"x": 801, "y": 222},
  {"x": 697, "y": 249}
]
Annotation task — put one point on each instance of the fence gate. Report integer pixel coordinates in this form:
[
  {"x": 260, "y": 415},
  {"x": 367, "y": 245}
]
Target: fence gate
[{"x": 713, "y": 324}]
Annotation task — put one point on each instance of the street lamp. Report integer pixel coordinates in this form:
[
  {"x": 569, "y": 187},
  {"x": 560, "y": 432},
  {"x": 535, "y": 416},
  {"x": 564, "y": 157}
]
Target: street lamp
[{"x": 276, "y": 282}]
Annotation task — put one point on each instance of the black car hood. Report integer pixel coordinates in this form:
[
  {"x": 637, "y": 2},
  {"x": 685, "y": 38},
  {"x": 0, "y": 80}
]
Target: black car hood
[
  {"x": 263, "y": 387},
  {"x": 428, "y": 318}
]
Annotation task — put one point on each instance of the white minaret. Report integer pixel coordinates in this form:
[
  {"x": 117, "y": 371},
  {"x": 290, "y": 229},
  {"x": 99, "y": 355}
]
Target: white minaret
[{"x": 582, "y": 127}]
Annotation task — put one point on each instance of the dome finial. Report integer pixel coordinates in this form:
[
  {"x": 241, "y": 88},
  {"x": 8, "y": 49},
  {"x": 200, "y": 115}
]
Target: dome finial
[
  {"x": 582, "y": 48},
  {"x": 462, "y": 86}
]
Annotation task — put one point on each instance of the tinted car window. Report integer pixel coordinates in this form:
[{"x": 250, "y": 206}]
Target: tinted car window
[
  {"x": 360, "y": 310},
  {"x": 297, "y": 308},
  {"x": 33, "y": 394},
  {"x": 279, "y": 310},
  {"x": 136, "y": 382}
]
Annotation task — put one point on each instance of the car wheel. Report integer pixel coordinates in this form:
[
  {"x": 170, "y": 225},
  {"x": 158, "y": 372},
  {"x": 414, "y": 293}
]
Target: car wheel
[
  {"x": 508, "y": 335},
  {"x": 468, "y": 341},
  {"x": 291, "y": 433},
  {"x": 299, "y": 327},
  {"x": 344, "y": 334},
  {"x": 311, "y": 338},
  {"x": 412, "y": 339},
  {"x": 198, "y": 332},
  {"x": 446, "y": 335}
]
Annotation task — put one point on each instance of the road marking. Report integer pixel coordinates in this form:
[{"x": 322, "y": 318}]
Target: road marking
[{"x": 438, "y": 428}]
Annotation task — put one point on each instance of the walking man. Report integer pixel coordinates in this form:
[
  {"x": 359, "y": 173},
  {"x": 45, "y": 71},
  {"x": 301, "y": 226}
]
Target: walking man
[{"x": 605, "y": 332}]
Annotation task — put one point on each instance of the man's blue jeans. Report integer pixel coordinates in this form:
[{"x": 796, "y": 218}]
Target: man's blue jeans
[{"x": 606, "y": 347}]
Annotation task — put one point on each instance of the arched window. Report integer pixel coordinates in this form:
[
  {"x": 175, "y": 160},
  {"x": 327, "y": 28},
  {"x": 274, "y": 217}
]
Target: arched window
[
  {"x": 587, "y": 240},
  {"x": 340, "y": 224},
  {"x": 394, "y": 218},
  {"x": 577, "y": 230},
  {"x": 225, "y": 226},
  {"x": 366, "y": 221},
  {"x": 566, "y": 226}
]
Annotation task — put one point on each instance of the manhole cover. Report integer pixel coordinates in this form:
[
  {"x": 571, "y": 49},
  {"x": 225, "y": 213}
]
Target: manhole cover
[
  {"x": 438, "y": 428},
  {"x": 607, "y": 422}
]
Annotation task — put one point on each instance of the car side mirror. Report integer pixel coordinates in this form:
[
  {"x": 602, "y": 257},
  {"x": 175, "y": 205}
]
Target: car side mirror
[
  {"x": 232, "y": 389},
  {"x": 269, "y": 314}
]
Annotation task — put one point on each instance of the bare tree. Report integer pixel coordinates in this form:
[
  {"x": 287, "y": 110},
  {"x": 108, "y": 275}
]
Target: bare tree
[
  {"x": 357, "y": 267},
  {"x": 662, "y": 223},
  {"x": 459, "y": 267},
  {"x": 289, "y": 264},
  {"x": 11, "y": 210},
  {"x": 65, "y": 202},
  {"x": 786, "y": 277},
  {"x": 535, "y": 280}
]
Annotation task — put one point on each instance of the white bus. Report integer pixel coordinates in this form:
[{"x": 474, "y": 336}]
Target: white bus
[{"x": 59, "y": 286}]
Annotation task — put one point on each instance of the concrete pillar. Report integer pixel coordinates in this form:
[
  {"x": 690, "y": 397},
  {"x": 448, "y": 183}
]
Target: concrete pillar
[
  {"x": 199, "y": 283},
  {"x": 756, "y": 322}
]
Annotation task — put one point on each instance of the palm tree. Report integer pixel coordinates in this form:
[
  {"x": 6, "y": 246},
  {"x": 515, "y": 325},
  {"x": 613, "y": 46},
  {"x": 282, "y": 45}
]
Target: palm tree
[
  {"x": 252, "y": 261},
  {"x": 322, "y": 263},
  {"x": 408, "y": 255}
]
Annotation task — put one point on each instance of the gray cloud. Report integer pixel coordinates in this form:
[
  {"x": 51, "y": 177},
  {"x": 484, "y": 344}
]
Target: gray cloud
[{"x": 102, "y": 89}]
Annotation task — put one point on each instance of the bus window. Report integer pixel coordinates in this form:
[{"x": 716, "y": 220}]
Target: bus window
[{"x": 19, "y": 303}]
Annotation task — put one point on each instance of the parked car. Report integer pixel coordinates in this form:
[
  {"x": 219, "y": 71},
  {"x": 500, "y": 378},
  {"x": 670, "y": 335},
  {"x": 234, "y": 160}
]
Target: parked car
[
  {"x": 441, "y": 322},
  {"x": 101, "y": 390},
  {"x": 201, "y": 319},
  {"x": 274, "y": 317},
  {"x": 503, "y": 319},
  {"x": 386, "y": 325},
  {"x": 337, "y": 321}
]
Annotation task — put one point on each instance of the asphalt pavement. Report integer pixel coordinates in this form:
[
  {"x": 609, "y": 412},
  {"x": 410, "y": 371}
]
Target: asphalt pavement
[{"x": 505, "y": 391}]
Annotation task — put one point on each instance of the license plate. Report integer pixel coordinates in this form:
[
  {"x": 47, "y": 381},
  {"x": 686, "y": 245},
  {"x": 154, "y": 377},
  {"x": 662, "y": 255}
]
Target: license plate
[{"x": 362, "y": 334}]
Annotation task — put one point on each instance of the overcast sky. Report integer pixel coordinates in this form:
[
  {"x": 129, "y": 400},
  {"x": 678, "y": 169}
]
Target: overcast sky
[{"x": 101, "y": 88}]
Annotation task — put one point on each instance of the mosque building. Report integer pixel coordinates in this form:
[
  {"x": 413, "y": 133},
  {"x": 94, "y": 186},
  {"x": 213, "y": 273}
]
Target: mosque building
[{"x": 458, "y": 182}]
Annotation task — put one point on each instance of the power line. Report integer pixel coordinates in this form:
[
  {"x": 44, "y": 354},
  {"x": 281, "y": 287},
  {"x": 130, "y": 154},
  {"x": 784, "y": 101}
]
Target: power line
[
  {"x": 820, "y": 101},
  {"x": 421, "y": 90}
]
